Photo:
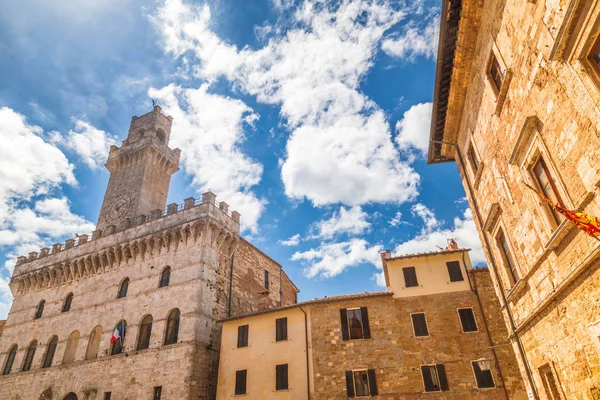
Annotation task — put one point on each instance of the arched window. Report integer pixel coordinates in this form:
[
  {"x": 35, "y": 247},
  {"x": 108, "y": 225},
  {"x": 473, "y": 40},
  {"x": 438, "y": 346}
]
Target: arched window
[
  {"x": 50, "y": 350},
  {"x": 145, "y": 332},
  {"x": 123, "y": 288},
  {"x": 67, "y": 304},
  {"x": 93, "y": 343},
  {"x": 118, "y": 338},
  {"x": 165, "y": 277},
  {"x": 172, "y": 327},
  {"x": 71, "y": 349},
  {"x": 29, "y": 356},
  {"x": 71, "y": 396},
  {"x": 40, "y": 310},
  {"x": 10, "y": 359}
]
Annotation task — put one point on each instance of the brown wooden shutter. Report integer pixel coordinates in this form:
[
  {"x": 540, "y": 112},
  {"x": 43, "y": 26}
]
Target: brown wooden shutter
[
  {"x": 427, "y": 380},
  {"x": 372, "y": 382},
  {"x": 344, "y": 321},
  {"x": 442, "y": 375},
  {"x": 242, "y": 336},
  {"x": 410, "y": 277},
  {"x": 454, "y": 271},
  {"x": 349, "y": 384},
  {"x": 365, "y": 320},
  {"x": 240, "y": 382}
]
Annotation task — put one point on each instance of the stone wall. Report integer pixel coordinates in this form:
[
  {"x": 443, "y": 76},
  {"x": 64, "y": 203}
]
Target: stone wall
[
  {"x": 548, "y": 107},
  {"x": 396, "y": 355},
  {"x": 2, "y": 324}
]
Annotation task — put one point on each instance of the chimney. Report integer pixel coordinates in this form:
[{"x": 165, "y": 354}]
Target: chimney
[{"x": 452, "y": 244}]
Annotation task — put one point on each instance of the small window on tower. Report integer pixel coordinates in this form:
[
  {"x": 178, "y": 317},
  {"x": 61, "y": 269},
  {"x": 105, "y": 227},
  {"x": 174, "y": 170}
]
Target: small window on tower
[{"x": 267, "y": 284}]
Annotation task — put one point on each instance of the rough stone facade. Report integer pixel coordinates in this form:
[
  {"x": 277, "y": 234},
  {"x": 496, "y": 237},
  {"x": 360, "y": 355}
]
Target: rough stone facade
[
  {"x": 546, "y": 107},
  {"x": 198, "y": 240},
  {"x": 392, "y": 350}
]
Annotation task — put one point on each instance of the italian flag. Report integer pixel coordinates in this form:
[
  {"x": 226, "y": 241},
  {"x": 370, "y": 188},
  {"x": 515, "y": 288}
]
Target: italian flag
[{"x": 117, "y": 333}]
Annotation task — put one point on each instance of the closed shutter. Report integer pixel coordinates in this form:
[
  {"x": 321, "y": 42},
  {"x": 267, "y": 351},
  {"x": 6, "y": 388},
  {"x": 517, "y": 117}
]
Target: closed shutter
[
  {"x": 242, "y": 336},
  {"x": 410, "y": 277},
  {"x": 240, "y": 382},
  {"x": 372, "y": 382},
  {"x": 427, "y": 379},
  {"x": 420, "y": 325},
  {"x": 454, "y": 271},
  {"x": 281, "y": 377},
  {"x": 349, "y": 384},
  {"x": 344, "y": 321},
  {"x": 281, "y": 329},
  {"x": 365, "y": 321},
  {"x": 442, "y": 375}
]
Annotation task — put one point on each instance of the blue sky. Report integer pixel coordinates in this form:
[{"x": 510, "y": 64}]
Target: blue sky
[{"x": 311, "y": 118}]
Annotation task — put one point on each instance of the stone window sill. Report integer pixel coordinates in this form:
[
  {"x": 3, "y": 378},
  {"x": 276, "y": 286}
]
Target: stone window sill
[
  {"x": 559, "y": 234},
  {"x": 517, "y": 289}
]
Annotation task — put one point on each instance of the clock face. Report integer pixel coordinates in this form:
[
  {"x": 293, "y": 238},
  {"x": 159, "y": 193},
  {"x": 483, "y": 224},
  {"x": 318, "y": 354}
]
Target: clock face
[{"x": 118, "y": 208}]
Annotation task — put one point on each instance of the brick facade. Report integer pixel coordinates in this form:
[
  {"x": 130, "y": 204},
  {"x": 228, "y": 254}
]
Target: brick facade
[{"x": 547, "y": 108}]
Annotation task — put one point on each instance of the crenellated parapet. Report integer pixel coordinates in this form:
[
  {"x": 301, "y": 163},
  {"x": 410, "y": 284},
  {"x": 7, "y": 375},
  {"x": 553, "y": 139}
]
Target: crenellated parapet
[{"x": 204, "y": 222}]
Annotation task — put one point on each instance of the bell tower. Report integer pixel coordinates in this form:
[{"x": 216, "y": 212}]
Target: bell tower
[{"x": 140, "y": 170}]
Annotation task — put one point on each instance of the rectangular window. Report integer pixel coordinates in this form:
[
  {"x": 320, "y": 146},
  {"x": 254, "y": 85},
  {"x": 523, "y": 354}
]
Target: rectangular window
[
  {"x": 473, "y": 160},
  {"x": 434, "y": 378},
  {"x": 483, "y": 377},
  {"x": 242, "y": 336},
  {"x": 546, "y": 184},
  {"x": 495, "y": 72},
  {"x": 240, "y": 381},
  {"x": 410, "y": 277},
  {"x": 157, "y": 392},
  {"x": 508, "y": 258},
  {"x": 355, "y": 323},
  {"x": 280, "y": 329},
  {"x": 595, "y": 54},
  {"x": 267, "y": 279},
  {"x": 281, "y": 377},
  {"x": 361, "y": 383},
  {"x": 419, "y": 324},
  {"x": 454, "y": 271},
  {"x": 467, "y": 319},
  {"x": 550, "y": 384},
  {"x": 107, "y": 395}
]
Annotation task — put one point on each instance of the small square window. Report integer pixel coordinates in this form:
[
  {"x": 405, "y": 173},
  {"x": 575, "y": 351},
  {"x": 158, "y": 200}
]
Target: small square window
[
  {"x": 454, "y": 271},
  {"x": 484, "y": 378},
  {"x": 419, "y": 324},
  {"x": 242, "y": 336},
  {"x": 240, "y": 381},
  {"x": 467, "y": 320},
  {"x": 410, "y": 277},
  {"x": 495, "y": 73}
]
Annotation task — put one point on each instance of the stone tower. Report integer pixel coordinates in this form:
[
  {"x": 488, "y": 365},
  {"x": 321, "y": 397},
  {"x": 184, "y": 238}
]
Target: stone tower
[{"x": 140, "y": 170}]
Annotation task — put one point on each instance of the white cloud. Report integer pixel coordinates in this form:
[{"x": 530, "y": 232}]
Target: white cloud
[
  {"x": 293, "y": 241},
  {"x": 331, "y": 259},
  {"x": 89, "y": 143},
  {"x": 396, "y": 220},
  {"x": 428, "y": 216},
  {"x": 210, "y": 128},
  {"x": 5, "y": 298},
  {"x": 413, "y": 129},
  {"x": 352, "y": 221},
  {"x": 340, "y": 148},
  {"x": 463, "y": 230},
  {"x": 415, "y": 42}
]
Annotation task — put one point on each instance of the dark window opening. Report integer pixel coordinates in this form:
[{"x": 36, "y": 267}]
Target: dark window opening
[
  {"x": 165, "y": 277},
  {"x": 281, "y": 377},
  {"x": 473, "y": 160},
  {"x": 29, "y": 357},
  {"x": 420, "y": 324},
  {"x": 595, "y": 54},
  {"x": 355, "y": 323},
  {"x": 10, "y": 360},
  {"x": 281, "y": 329},
  {"x": 123, "y": 288},
  {"x": 483, "y": 377},
  {"x": 67, "y": 304},
  {"x": 107, "y": 395},
  {"x": 546, "y": 184},
  {"x": 157, "y": 392},
  {"x": 118, "y": 338},
  {"x": 467, "y": 320},
  {"x": 410, "y": 277},
  {"x": 454, "y": 271},
  {"x": 550, "y": 384},
  {"x": 434, "y": 378},
  {"x": 508, "y": 259},
  {"x": 145, "y": 333},
  {"x": 240, "y": 382},
  {"x": 495, "y": 73},
  {"x": 40, "y": 309},
  {"x": 51, "y": 349},
  {"x": 172, "y": 327},
  {"x": 242, "y": 336},
  {"x": 267, "y": 284}
]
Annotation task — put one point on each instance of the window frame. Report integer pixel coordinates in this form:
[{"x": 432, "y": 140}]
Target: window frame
[
  {"x": 67, "y": 303},
  {"x": 513, "y": 274},
  {"x": 123, "y": 287},
  {"x": 50, "y": 352},
  {"x": 10, "y": 359},
  {"x": 239, "y": 373},
  {"x": 165, "y": 277},
  {"x": 123, "y": 335},
  {"x": 493, "y": 60},
  {"x": 553, "y": 216},
  {"x": 360, "y": 371},
  {"x": 281, "y": 331},
  {"x": 501, "y": 91},
  {"x": 461, "y": 321},
  {"x": 404, "y": 275},
  {"x": 412, "y": 321},
  {"x": 285, "y": 384},
  {"x": 172, "y": 332},
  {"x": 441, "y": 387},
  {"x": 543, "y": 376},
  {"x": 39, "y": 311},
  {"x": 457, "y": 263},
  {"x": 29, "y": 356},
  {"x": 244, "y": 338},
  {"x": 141, "y": 330},
  {"x": 473, "y": 363},
  {"x": 267, "y": 283},
  {"x": 157, "y": 393}
]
